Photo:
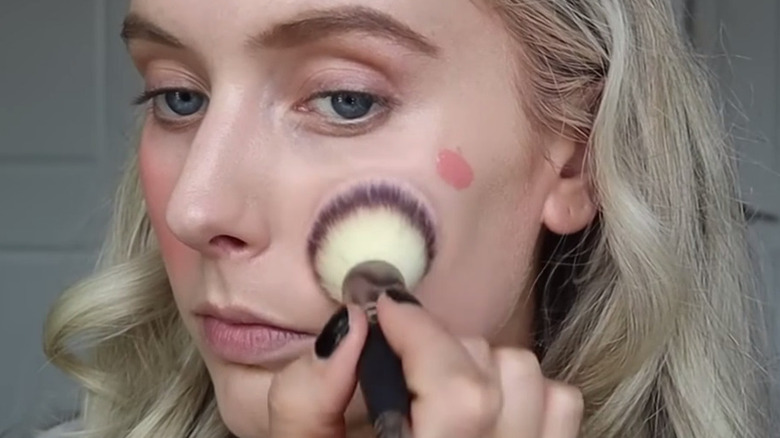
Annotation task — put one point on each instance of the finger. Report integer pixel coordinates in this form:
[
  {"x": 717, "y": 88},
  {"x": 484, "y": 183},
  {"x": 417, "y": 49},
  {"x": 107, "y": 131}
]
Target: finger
[
  {"x": 564, "y": 407},
  {"x": 482, "y": 355},
  {"x": 523, "y": 393},
  {"x": 308, "y": 398},
  {"x": 430, "y": 354},
  {"x": 454, "y": 395}
]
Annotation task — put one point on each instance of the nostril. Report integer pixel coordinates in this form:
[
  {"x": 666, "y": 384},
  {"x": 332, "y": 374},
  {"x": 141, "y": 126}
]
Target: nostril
[{"x": 228, "y": 244}]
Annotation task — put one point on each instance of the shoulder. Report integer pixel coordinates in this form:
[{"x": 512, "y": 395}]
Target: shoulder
[{"x": 60, "y": 430}]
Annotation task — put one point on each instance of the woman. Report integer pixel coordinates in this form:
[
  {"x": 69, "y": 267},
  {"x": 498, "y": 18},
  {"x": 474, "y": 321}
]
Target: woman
[{"x": 591, "y": 277}]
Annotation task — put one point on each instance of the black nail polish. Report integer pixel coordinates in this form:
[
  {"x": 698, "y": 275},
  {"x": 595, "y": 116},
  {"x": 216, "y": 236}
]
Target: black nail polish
[
  {"x": 402, "y": 297},
  {"x": 332, "y": 334}
]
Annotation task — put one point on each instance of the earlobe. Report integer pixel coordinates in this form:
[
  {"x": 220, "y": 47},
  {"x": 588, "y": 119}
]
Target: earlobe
[{"x": 569, "y": 206}]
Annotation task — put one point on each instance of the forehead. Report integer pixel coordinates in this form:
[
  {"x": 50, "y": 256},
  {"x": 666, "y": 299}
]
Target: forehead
[{"x": 227, "y": 21}]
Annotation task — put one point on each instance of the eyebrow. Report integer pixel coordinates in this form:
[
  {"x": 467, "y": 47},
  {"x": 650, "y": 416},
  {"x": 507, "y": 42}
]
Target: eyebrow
[
  {"x": 136, "y": 27},
  {"x": 305, "y": 29},
  {"x": 320, "y": 24}
]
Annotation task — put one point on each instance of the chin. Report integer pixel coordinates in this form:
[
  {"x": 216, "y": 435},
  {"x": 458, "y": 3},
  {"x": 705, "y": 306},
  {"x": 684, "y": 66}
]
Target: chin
[
  {"x": 242, "y": 397},
  {"x": 242, "y": 400}
]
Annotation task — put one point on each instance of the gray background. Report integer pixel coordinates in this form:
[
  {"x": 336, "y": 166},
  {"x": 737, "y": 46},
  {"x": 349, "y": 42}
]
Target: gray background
[{"x": 65, "y": 88}]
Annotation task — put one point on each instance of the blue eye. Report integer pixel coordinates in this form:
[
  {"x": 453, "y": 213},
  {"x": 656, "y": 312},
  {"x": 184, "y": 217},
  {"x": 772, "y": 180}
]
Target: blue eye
[
  {"x": 346, "y": 105},
  {"x": 174, "y": 105},
  {"x": 352, "y": 105},
  {"x": 182, "y": 102}
]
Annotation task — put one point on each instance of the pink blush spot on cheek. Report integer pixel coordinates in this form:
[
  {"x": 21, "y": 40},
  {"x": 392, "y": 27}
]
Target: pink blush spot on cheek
[
  {"x": 454, "y": 169},
  {"x": 157, "y": 181}
]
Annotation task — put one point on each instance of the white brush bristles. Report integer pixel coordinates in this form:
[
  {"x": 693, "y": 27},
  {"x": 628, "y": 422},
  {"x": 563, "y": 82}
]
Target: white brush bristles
[{"x": 370, "y": 234}]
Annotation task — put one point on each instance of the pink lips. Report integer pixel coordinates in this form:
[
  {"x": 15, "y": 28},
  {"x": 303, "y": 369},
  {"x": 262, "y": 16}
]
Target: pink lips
[{"x": 252, "y": 343}]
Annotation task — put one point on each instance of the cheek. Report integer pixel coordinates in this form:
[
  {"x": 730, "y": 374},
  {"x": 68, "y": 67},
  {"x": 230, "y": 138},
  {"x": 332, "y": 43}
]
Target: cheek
[
  {"x": 158, "y": 175},
  {"x": 480, "y": 285},
  {"x": 454, "y": 170},
  {"x": 486, "y": 291}
]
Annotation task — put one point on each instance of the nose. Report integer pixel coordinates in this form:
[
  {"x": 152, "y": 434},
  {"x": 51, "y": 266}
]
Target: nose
[{"x": 218, "y": 204}]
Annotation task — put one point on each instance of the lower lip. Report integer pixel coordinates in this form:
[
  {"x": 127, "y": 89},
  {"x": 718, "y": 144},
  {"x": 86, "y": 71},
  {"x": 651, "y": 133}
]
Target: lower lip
[{"x": 253, "y": 344}]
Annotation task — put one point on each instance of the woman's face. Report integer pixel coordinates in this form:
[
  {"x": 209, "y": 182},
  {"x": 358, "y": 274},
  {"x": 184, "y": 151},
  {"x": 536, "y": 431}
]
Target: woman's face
[{"x": 261, "y": 111}]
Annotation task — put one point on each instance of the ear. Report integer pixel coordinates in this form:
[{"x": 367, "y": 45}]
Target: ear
[{"x": 569, "y": 206}]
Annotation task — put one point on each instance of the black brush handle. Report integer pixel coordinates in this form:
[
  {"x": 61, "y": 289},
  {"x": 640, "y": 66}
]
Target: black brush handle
[{"x": 383, "y": 384}]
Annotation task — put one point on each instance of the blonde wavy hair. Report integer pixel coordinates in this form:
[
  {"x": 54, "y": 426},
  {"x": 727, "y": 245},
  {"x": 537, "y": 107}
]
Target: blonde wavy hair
[{"x": 650, "y": 312}]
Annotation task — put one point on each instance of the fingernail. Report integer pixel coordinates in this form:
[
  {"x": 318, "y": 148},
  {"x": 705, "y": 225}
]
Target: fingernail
[
  {"x": 332, "y": 334},
  {"x": 402, "y": 297}
]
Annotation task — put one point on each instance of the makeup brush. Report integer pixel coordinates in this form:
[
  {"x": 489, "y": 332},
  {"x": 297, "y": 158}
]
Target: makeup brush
[{"x": 366, "y": 242}]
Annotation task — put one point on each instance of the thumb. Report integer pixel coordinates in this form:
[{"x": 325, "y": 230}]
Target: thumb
[{"x": 308, "y": 398}]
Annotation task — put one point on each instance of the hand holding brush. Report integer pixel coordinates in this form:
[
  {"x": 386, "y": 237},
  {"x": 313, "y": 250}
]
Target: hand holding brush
[
  {"x": 369, "y": 249},
  {"x": 460, "y": 387}
]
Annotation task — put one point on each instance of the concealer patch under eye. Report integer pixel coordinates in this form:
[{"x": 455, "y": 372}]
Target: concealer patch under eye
[{"x": 454, "y": 170}]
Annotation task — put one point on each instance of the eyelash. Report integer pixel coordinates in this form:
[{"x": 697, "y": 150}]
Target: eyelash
[{"x": 346, "y": 127}]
